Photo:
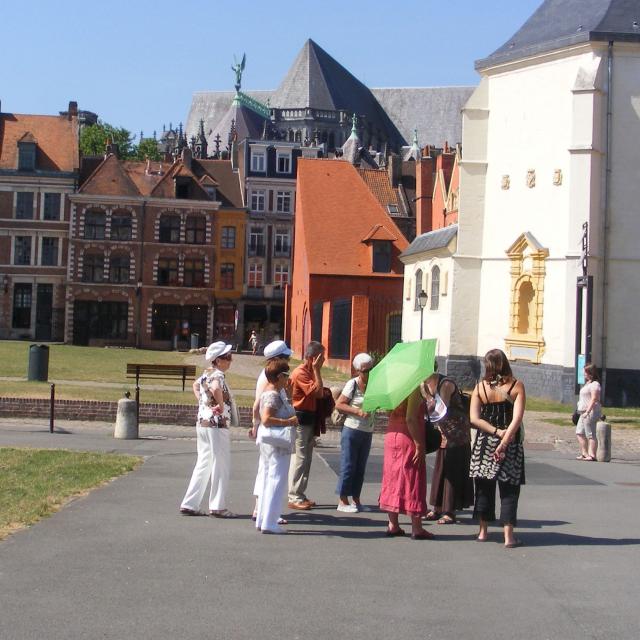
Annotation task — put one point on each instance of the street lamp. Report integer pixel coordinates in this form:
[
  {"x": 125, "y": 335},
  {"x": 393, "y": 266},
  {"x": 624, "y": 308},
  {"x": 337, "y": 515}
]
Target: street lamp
[{"x": 422, "y": 301}]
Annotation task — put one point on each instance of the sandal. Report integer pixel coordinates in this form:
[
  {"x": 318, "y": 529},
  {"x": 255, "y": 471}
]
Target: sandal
[
  {"x": 590, "y": 459},
  {"x": 581, "y": 457},
  {"x": 189, "y": 512},
  {"x": 432, "y": 515},
  {"x": 446, "y": 519},
  {"x": 282, "y": 521},
  {"x": 423, "y": 535},
  {"x": 223, "y": 513},
  {"x": 513, "y": 545},
  {"x": 394, "y": 533}
]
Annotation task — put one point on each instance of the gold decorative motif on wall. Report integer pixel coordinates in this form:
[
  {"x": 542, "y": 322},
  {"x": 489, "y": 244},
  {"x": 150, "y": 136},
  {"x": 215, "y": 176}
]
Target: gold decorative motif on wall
[
  {"x": 531, "y": 178},
  {"x": 505, "y": 183},
  {"x": 526, "y": 308},
  {"x": 557, "y": 177}
]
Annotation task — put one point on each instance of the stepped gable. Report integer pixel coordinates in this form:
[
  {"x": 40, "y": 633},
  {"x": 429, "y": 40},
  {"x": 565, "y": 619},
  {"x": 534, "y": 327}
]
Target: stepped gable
[
  {"x": 56, "y": 138},
  {"x": 318, "y": 81},
  {"x": 560, "y": 23}
]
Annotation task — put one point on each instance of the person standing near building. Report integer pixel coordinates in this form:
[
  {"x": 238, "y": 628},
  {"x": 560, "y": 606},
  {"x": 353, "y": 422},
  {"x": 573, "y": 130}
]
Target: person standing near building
[
  {"x": 306, "y": 390},
  {"x": 253, "y": 343},
  {"x": 589, "y": 410},
  {"x": 213, "y": 440},
  {"x": 275, "y": 350}
]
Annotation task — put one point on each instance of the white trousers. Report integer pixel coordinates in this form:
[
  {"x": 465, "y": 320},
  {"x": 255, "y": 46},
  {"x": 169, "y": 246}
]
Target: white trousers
[
  {"x": 257, "y": 485},
  {"x": 213, "y": 464},
  {"x": 275, "y": 463}
]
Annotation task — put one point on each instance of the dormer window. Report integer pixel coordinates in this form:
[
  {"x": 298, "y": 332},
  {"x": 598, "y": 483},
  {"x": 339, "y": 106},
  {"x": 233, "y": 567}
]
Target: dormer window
[
  {"x": 283, "y": 162},
  {"x": 392, "y": 209},
  {"x": 182, "y": 188},
  {"x": 26, "y": 156},
  {"x": 381, "y": 256},
  {"x": 211, "y": 192},
  {"x": 258, "y": 160}
]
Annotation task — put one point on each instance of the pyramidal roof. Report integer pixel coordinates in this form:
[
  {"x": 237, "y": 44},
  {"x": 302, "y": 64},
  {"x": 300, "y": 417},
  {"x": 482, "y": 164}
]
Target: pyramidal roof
[
  {"x": 317, "y": 80},
  {"x": 561, "y": 23}
]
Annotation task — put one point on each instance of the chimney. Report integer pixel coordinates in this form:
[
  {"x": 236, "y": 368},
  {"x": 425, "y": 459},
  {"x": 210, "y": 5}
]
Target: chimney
[
  {"x": 394, "y": 167},
  {"x": 73, "y": 110},
  {"x": 186, "y": 157},
  {"x": 424, "y": 195}
]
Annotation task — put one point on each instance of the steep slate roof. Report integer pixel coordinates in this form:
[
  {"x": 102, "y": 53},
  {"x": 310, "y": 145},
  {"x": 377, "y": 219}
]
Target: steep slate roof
[
  {"x": 228, "y": 190},
  {"x": 110, "y": 179},
  {"x": 436, "y": 112},
  {"x": 432, "y": 240},
  {"x": 247, "y": 122},
  {"x": 333, "y": 202},
  {"x": 560, "y": 23},
  {"x": 317, "y": 80},
  {"x": 56, "y": 137}
]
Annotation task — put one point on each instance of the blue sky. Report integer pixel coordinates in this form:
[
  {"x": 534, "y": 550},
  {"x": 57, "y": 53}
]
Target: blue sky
[{"x": 136, "y": 63}]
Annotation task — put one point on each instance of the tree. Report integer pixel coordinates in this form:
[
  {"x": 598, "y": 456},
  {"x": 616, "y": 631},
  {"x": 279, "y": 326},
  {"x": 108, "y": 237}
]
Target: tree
[
  {"x": 93, "y": 140},
  {"x": 148, "y": 148}
]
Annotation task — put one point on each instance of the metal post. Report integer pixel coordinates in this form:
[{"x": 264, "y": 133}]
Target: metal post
[
  {"x": 138, "y": 405},
  {"x": 52, "y": 408},
  {"x": 421, "y": 322},
  {"x": 578, "y": 343}
]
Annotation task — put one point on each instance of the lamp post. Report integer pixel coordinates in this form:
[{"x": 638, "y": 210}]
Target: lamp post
[{"x": 422, "y": 301}]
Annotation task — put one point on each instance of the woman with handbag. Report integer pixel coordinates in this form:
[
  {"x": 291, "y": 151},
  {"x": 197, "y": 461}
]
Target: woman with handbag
[
  {"x": 497, "y": 408},
  {"x": 275, "y": 437},
  {"x": 357, "y": 433},
  {"x": 588, "y": 412},
  {"x": 213, "y": 439},
  {"x": 451, "y": 486}
]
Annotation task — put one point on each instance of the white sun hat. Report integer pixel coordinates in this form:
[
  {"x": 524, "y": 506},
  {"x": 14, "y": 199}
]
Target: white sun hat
[{"x": 215, "y": 350}]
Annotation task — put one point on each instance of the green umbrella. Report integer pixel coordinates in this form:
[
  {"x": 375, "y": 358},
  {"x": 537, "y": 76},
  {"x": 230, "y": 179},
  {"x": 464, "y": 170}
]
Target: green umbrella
[{"x": 400, "y": 372}]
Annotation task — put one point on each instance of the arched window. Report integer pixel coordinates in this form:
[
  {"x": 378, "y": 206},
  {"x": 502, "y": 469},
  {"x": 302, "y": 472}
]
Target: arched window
[
  {"x": 121, "y": 225},
  {"x": 94, "y": 225},
  {"x": 93, "y": 267},
  {"x": 170, "y": 228},
  {"x": 298, "y": 135},
  {"x": 119, "y": 265},
  {"x": 418, "y": 289},
  {"x": 525, "y": 298},
  {"x": 435, "y": 288}
]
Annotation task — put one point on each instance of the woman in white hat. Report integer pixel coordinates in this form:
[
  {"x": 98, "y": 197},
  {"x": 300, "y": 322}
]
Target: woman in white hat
[{"x": 212, "y": 428}]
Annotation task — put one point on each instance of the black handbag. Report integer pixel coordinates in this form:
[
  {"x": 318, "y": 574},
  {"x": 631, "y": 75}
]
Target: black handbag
[
  {"x": 575, "y": 417},
  {"x": 433, "y": 437}
]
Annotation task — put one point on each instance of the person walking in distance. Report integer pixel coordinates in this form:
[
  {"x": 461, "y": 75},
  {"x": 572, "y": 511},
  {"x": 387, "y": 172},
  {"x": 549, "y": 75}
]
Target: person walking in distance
[{"x": 306, "y": 390}]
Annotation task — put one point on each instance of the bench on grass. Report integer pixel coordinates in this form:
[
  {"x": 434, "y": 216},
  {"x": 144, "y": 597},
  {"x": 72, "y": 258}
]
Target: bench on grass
[{"x": 161, "y": 372}]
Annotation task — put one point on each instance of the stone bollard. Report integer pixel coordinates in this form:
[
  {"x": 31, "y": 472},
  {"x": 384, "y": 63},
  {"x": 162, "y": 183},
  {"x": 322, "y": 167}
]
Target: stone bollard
[
  {"x": 126, "y": 420},
  {"x": 603, "y": 436}
]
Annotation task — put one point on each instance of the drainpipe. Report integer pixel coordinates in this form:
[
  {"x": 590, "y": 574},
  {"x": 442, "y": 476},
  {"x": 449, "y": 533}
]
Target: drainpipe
[
  {"x": 140, "y": 281},
  {"x": 605, "y": 219}
]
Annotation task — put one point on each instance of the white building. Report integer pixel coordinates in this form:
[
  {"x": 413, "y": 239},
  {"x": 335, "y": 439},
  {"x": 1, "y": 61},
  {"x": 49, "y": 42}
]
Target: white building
[{"x": 550, "y": 142}]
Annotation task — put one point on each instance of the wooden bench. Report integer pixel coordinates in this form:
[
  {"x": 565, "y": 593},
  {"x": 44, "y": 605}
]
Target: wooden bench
[{"x": 161, "y": 372}]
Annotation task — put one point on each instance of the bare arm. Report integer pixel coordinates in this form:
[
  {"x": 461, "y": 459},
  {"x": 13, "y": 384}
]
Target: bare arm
[
  {"x": 595, "y": 398},
  {"x": 216, "y": 390},
  {"x": 318, "y": 361},
  {"x": 519, "y": 404},
  {"x": 416, "y": 430},
  {"x": 268, "y": 419},
  {"x": 196, "y": 389}
]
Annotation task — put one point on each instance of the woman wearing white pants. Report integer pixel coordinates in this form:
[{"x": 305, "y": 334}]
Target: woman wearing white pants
[
  {"x": 213, "y": 439},
  {"x": 275, "y": 411}
]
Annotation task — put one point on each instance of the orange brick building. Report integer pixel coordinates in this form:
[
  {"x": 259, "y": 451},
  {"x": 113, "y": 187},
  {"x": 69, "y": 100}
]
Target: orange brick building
[
  {"x": 346, "y": 289},
  {"x": 38, "y": 171},
  {"x": 156, "y": 254}
]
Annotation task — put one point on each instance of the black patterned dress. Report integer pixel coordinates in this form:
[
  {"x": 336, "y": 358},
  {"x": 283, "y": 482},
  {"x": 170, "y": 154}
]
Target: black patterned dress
[{"x": 483, "y": 464}]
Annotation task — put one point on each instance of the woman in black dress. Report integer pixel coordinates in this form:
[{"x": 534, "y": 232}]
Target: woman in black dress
[{"x": 497, "y": 408}]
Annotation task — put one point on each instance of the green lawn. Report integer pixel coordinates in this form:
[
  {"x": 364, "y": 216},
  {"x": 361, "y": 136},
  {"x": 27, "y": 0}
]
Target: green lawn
[
  {"x": 36, "y": 482},
  {"x": 68, "y": 362}
]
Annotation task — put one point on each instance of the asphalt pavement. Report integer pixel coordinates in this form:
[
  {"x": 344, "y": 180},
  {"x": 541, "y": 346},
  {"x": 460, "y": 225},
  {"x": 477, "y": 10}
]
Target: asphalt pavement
[{"x": 121, "y": 563}]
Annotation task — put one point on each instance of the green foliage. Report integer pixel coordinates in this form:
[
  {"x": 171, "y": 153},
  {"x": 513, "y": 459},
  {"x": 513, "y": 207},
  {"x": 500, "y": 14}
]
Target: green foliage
[
  {"x": 93, "y": 140},
  {"x": 36, "y": 482},
  {"x": 148, "y": 148}
]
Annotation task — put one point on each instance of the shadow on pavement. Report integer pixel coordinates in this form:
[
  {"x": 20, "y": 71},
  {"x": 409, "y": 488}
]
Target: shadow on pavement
[{"x": 551, "y": 539}]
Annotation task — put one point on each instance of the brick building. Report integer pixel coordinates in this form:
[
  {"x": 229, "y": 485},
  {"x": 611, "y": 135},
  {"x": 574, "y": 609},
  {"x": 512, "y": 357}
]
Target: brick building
[
  {"x": 156, "y": 253},
  {"x": 38, "y": 171},
  {"x": 347, "y": 280}
]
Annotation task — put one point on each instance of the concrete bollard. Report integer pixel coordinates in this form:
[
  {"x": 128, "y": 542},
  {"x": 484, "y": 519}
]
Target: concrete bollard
[
  {"x": 603, "y": 436},
  {"x": 126, "y": 420}
]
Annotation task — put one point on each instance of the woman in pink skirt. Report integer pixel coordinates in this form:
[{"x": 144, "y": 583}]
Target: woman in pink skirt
[{"x": 404, "y": 472}]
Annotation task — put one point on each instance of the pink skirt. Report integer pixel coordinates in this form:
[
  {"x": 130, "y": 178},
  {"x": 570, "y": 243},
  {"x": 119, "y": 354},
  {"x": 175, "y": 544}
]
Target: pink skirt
[{"x": 404, "y": 484}]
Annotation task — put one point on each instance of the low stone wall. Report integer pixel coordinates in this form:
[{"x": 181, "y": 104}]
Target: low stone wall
[{"x": 181, "y": 414}]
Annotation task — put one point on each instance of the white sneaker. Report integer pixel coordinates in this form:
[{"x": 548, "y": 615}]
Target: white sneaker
[{"x": 347, "y": 508}]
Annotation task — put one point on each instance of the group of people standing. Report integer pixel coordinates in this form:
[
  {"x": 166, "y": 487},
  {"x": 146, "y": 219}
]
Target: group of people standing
[{"x": 290, "y": 408}]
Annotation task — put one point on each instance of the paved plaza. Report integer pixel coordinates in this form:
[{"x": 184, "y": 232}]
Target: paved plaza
[{"x": 121, "y": 563}]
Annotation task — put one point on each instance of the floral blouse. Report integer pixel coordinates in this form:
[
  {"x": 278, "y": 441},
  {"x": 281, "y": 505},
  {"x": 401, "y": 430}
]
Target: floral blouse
[{"x": 208, "y": 401}]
